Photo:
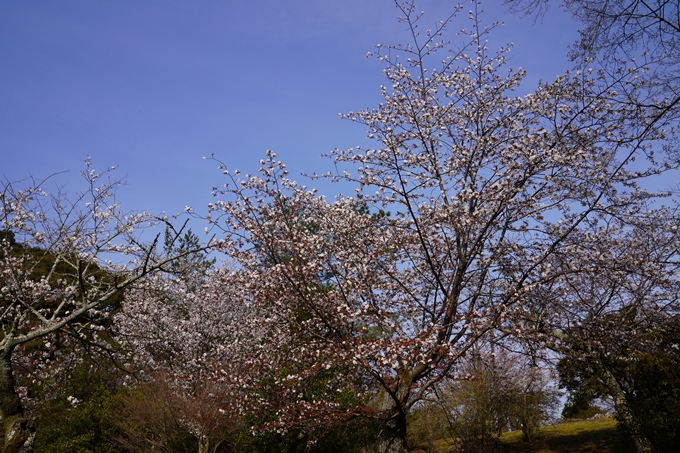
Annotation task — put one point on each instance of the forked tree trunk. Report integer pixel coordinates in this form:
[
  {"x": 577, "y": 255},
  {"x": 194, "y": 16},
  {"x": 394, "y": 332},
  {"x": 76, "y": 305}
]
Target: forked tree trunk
[
  {"x": 392, "y": 423},
  {"x": 642, "y": 443},
  {"x": 18, "y": 437}
]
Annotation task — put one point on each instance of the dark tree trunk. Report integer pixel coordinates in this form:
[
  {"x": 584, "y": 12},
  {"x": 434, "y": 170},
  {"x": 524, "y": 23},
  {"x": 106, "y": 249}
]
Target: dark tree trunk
[
  {"x": 18, "y": 436},
  {"x": 392, "y": 424},
  {"x": 642, "y": 443}
]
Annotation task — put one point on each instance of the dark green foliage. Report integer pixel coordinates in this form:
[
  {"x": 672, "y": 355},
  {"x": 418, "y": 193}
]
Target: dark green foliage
[
  {"x": 7, "y": 235},
  {"x": 82, "y": 425},
  {"x": 658, "y": 405},
  {"x": 649, "y": 377},
  {"x": 81, "y": 429},
  {"x": 654, "y": 391},
  {"x": 363, "y": 208},
  {"x": 351, "y": 437},
  {"x": 583, "y": 386},
  {"x": 579, "y": 409},
  {"x": 193, "y": 264}
]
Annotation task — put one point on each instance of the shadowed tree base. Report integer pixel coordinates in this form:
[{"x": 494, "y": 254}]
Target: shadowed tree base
[
  {"x": 392, "y": 434},
  {"x": 18, "y": 435},
  {"x": 19, "y": 438}
]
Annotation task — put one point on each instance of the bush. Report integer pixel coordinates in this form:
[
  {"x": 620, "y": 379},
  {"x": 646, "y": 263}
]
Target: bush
[{"x": 71, "y": 426}]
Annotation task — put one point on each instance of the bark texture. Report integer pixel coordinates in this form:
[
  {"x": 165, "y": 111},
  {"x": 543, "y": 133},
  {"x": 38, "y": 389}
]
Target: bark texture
[
  {"x": 18, "y": 435},
  {"x": 642, "y": 443},
  {"x": 392, "y": 434}
]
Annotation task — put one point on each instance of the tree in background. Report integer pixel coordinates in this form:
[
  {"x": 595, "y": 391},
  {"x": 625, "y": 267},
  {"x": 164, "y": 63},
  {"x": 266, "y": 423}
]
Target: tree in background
[
  {"x": 182, "y": 329},
  {"x": 649, "y": 382},
  {"x": 616, "y": 311},
  {"x": 210, "y": 376},
  {"x": 154, "y": 416},
  {"x": 427, "y": 423},
  {"x": 620, "y": 36},
  {"x": 191, "y": 266},
  {"x": 624, "y": 35},
  {"x": 533, "y": 400},
  {"x": 72, "y": 257},
  {"x": 492, "y": 393}
]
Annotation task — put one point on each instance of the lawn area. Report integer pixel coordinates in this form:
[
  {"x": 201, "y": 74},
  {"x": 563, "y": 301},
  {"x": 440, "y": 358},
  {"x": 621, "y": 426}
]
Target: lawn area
[{"x": 588, "y": 436}]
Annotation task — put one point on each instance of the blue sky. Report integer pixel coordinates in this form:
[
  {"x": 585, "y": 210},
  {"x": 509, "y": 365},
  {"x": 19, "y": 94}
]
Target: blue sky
[{"x": 152, "y": 86}]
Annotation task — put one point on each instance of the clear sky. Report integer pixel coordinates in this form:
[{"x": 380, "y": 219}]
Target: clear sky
[{"x": 153, "y": 85}]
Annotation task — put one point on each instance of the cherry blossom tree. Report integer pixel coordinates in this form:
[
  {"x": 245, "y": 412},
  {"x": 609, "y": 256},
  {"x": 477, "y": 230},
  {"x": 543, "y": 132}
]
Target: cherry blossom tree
[
  {"x": 64, "y": 262},
  {"x": 226, "y": 360},
  {"x": 154, "y": 416},
  {"x": 184, "y": 334},
  {"x": 484, "y": 188},
  {"x": 616, "y": 289},
  {"x": 623, "y": 26},
  {"x": 623, "y": 34}
]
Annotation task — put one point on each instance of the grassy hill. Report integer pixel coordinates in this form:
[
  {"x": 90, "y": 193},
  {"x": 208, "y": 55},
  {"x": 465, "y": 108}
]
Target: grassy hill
[{"x": 588, "y": 436}]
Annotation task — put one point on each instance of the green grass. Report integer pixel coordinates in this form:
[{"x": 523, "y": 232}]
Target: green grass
[
  {"x": 601, "y": 436},
  {"x": 594, "y": 436}
]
